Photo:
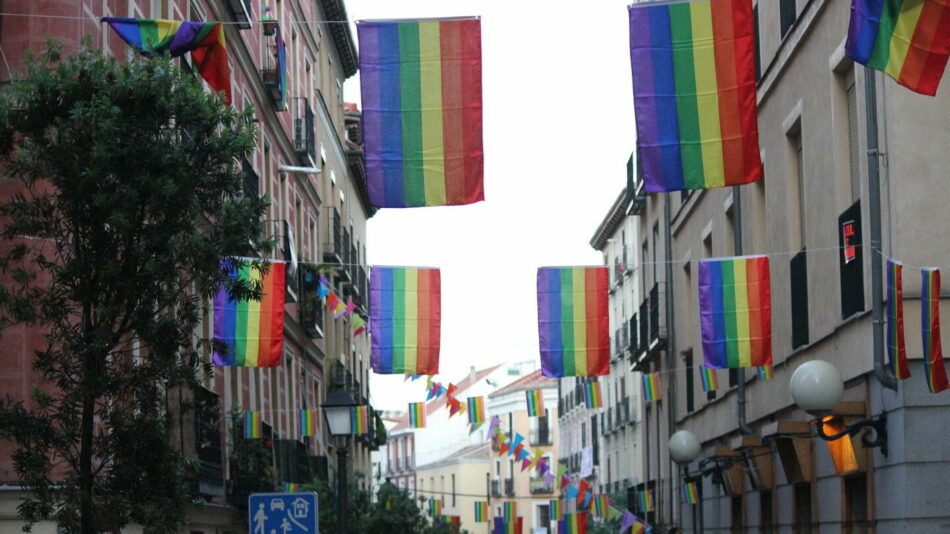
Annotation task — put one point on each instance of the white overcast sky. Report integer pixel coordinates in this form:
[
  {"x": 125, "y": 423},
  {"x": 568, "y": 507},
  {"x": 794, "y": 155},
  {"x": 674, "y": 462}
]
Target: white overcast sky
[{"x": 558, "y": 129}]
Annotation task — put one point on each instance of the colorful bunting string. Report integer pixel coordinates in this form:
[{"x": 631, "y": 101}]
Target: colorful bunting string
[
  {"x": 896, "y": 349},
  {"x": 934, "y": 368}
]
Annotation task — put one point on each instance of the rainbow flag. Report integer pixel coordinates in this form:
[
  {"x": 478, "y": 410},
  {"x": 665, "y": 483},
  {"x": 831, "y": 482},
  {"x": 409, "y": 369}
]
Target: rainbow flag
[
  {"x": 417, "y": 414},
  {"x": 651, "y": 387},
  {"x": 481, "y": 511},
  {"x": 594, "y": 397},
  {"x": 735, "y": 307},
  {"x": 252, "y": 330},
  {"x": 573, "y": 524},
  {"x": 205, "y": 41},
  {"x": 476, "y": 410},
  {"x": 535, "y": 399},
  {"x": 435, "y": 508},
  {"x": 601, "y": 506},
  {"x": 360, "y": 419},
  {"x": 507, "y": 527},
  {"x": 694, "y": 94},
  {"x": 710, "y": 381},
  {"x": 252, "y": 425},
  {"x": 690, "y": 493},
  {"x": 291, "y": 487},
  {"x": 556, "y": 510},
  {"x": 896, "y": 349},
  {"x": 510, "y": 511},
  {"x": 930, "y": 330},
  {"x": 421, "y": 82},
  {"x": 646, "y": 500},
  {"x": 573, "y": 321},
  {"x": 907, "y": 39},
  {"x": 405, "y": 319},
  {"x": 308, "y": 422},
  {"x": 764, "y": 372}
]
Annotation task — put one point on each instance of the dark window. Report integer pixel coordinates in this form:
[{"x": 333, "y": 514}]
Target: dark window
[
  {"x": 593, "y": 432},
  {"x": 733, "y": 377},
  {"x": 690, "y": 402},
  {"x": 798, "y": 274},
  {"x": 856, "y": 505},
  {"x": 803, "y": 515},
  {"x": 850, "y": 261},
  {"x": 737, "y": 518},
  {"x": 544, "y": 513},
  {"x": 766, "y": 522},
  {"x": 786, "y": 15}
]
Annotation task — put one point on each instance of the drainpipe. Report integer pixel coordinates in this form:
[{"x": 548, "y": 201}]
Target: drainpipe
[
  {"x": 881, "y": 372},
  {"x": 744, "y": 427},
  {"x": 670, "y": 344}
]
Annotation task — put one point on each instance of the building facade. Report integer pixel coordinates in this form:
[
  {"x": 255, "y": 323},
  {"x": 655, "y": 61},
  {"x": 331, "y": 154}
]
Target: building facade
[
  {"x": 765, "y": 468},
  {"x": 308, "y": 162}
]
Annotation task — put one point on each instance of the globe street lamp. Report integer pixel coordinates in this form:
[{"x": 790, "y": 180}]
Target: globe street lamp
[
  {"x": 817, "y": 387},
  {"x": 338, "y": 409}
]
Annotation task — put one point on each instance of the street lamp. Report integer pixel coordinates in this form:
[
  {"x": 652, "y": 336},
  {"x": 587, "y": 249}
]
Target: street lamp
[
  {"x": 817, "y": 387},
  {"x": 338, "y": 409},
  {"x": 684, "y": 447}
]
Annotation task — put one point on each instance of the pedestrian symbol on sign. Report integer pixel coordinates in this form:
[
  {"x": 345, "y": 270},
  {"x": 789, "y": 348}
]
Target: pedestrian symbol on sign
[{"x": 283, "y": 513}]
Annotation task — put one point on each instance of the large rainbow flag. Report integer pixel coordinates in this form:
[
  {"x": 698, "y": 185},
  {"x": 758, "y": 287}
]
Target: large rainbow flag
[
  {"x": 573, "y": 524},
  {"x": 573, "y": 321},
  {"x": 253, "y": 331},
  {"x": 205, "y": 41},
  {"x": 405, "y": 319},
  {"x": 421, "y": 83},
  {"x": 930, "y": 330},
  {"x": 896, "y": 348},
  {"x": 694, "y": 87},
  {"x": 907, "y": 39},
  {"x": 735, "y": 307}
]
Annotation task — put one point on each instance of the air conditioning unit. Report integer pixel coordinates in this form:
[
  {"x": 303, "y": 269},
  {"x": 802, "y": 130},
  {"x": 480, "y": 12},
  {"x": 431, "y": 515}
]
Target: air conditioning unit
[{"x": 300, "y": 137}]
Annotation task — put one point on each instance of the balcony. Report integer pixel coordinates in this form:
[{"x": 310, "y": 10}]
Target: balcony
[
  {"x": 638, "y": 198},
  {"x": 644, "y": 326},
  {"x": 657, "y": 318},
  {"x": 541, "y": 435},
  {"x": 633, "y": 329},
  {"x": 538, "y": 485},
  {"x": 305, "y": 141},
  {"x": 310, "y": 307},
  {"x": 509, "y": 487},
  {"x": 496, "y": 488}
]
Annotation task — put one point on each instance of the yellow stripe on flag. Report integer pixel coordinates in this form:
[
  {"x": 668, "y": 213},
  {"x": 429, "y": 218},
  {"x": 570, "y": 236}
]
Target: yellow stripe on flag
[
  {"x": 580, "y": 320},
  {"x": 742, "y": 312},
  {"x": 707, "y": 93},
  {"x": 433, "y": 146},
  {"x": 412, "y": 318},
  {"x": 903, "y": 34}
]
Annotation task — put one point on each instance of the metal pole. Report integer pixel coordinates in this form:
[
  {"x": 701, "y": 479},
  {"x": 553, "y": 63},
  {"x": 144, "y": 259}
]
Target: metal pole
[
  {"x": 670, "y": 344},
  {"x": 874, "y": 214},
  {"x": 699, "y": 504},
  {"x": 341, "y": 486},
  {"x": 737, "y": 237}
]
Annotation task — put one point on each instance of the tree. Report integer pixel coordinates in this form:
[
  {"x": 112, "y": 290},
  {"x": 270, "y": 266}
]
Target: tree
[{"x": 123, "y": 193}]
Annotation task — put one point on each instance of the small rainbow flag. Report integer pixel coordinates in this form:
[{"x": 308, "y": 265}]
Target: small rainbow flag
[
  {"x": 508, "y": 527},
  {"x": 476, "y": 410},
  {"x": 535, "y": 398},
  {"x": 573, "y": 321},
  {"x": 710, "y": 381},
  {"x": 594, "y": 397},
  {"x": 694, "y": 94},
  {"x": 435, "y": 508},
  {"x": 417, "y": 414},
  {"x": 764, "y": 372},
  {"x": 896, "y": 349},
  {"x": 481, "y": 511},
  {"x": 360, "y": 419},
  {"x": 573, "y": 524},
  {"x": 421, "y": 83},
  {"x": 651, "y": 387},
  {"x": 252, "y": 425},
  {"x": 510, "y": 511},
  {"x": 252, "y": 330},
  {"x": 646, "y": 500},
  {"x": 601, "y": 505},
  {"x": 291, "y": 487},
  {"x": 930, "y": 330},
  {"x": 690, "y": 493},
  {"x": 308, "y": 422},
  {"x": 907, "y": 39},
  {"x": 556, "y": 510},
  {"x": 405, "y": 319},
  {"x": 735, "y": 307}
]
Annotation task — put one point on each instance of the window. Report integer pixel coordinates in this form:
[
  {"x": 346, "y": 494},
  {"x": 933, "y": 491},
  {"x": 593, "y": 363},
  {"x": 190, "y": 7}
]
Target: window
[
  {"x": 766, "y": 521},
  {"x": 656, "y": 245},
  {"x": 736, "y": 516},
  {"x": 796, "y": 194},
  {"x": 730, "y": 236},
  {"x": 803, "y": 514},
  {"x": 453, "y": 490},
  {"x": 688, "y": 356},
  {"x": 787, "y": 16},
  {"x": 854, "y": 149},
  {"x": 856, "y": 505}
]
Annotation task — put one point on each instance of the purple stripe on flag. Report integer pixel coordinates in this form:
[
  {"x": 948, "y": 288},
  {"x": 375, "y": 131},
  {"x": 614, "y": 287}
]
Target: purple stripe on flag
[{"x": 372, "y": 127}]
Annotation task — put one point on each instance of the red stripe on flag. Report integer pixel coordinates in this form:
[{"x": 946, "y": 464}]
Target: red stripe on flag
[
  {"x": 424, "y": 312},
  {"x": 271, "y": 347},
  {"x": 742, "y": 25},
  {"x": 727, "y": 85},
  {"x": 452, "y": 116},
  {"x": 471, "y": 32},
  {"x": 598, "y": 352},
  {"x": 929, "y": 49}
]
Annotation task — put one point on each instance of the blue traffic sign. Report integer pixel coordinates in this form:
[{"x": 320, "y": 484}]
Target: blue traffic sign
[{"x": 282, "y": 513}]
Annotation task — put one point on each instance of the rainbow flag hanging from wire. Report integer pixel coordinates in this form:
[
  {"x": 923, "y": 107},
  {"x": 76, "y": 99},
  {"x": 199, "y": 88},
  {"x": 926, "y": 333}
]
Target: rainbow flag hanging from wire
[
  {"x": 476, "y": 410},
  {"x": 360, "y": 419},
  {"x": 510, "y": 511},
  {"x": 710, "y": 380},
  {"x": 601, "y": 506},
  {"x": 930, "y": 330},
  {"x": 417, "y": 414},
  {"x": 694, "y": 94},
  {"x": 291, "y": 487},
  {"x": 252, "y": 331},
  {"x": 573, "y": 524},
  {"x": 405, "y": 319},
  {"x": 651, "y": 387},
  {"x": 556, "y": 510},
  {"x": 765, "y": 372},
  {"x": 205, "y": 41},
  {"x": 435, "y": 508},
  {"x": 646, "y": 500},
  {"x": 690, "y": 493},
  {"x": 535, "y": 400},
  {"x": 421, "y": 82},
  {"x": 593, "y": 395},
  {"x": 907, "y": 39},
  {"x": 481, "y": 511},
  {"x": 573, "y": 321},
  {"x": 735, "y": 307},
  {"x": 252, "y": 425},
  {"x": 896, "y": 349},
  {"x": 308, "y": 422}
]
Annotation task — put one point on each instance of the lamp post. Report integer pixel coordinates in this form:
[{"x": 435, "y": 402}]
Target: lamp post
[
  {"x": 684, "y": 448},
  {"x": 817, "y": 387},
  {"x": 338, "y": 409}
]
